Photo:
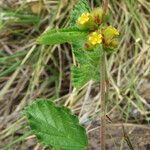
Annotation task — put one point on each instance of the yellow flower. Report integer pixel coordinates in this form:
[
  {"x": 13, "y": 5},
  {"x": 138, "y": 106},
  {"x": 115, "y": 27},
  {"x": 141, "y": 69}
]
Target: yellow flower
[
  {"x": 113, "y": 30},
  {"x": 95, "y": 38},
  {"x": 84, "y": 18}
]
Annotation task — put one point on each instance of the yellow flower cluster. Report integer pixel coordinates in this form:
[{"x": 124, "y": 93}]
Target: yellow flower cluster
[
  {"x": 95, "y": 38},
  {"x": 106, "y": 35},
  {"x": 84, "y": 18}
]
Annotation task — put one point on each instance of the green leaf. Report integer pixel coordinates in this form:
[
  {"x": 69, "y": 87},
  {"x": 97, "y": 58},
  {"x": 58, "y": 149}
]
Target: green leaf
[
  {"x": 89, "y": 65},
  {"x": 56, "y": 126},
  {"x": 80, "y": 8},
  {"x": 59, "y": 36}
]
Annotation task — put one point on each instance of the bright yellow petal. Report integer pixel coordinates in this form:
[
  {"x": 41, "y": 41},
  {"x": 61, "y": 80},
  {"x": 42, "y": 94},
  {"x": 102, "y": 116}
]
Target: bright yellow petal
[
  {"x": 84, "y": 18},
  {"x": 113, "y": 30},
  {"x": 95, "y": 38}
]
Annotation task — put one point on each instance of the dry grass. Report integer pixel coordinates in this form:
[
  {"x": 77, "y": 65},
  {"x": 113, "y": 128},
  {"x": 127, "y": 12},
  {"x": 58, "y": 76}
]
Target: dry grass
[{"x": 29, "y": 71}]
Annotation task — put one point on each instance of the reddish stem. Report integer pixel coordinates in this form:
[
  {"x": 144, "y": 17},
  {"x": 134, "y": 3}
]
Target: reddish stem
[
  {"x": 105, "y": 6},
  {"x": 103, "y": 87}
]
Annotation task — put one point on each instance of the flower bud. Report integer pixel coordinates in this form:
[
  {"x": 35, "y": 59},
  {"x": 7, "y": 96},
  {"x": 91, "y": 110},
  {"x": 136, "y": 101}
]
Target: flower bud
[
  {"x": 88, "y": 46},
  {"x": 114, "y": 42},
  {"x": 97, "y": 15}
]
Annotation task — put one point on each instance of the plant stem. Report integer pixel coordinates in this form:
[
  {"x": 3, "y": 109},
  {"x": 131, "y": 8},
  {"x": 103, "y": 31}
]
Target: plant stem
[
  {"x": 102, "y": 86},
  {"x": 105, "y": 7}
]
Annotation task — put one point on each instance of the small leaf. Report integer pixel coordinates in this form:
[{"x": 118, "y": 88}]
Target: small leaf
[
  {"x": 59, "y": 36},
  {"x": 80, "y": 8},
  {"x": 56, "y": 126}
]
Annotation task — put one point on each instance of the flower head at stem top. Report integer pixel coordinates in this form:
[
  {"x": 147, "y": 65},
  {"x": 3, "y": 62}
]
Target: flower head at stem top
[
  {"x": 110, "y": 37},
  {"x": 84, "y": 18},
  {"x": 95, "y": 38}
]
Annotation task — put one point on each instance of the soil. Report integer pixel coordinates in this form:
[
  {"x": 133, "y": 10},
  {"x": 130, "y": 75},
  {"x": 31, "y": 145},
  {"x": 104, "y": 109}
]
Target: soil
[{"x": 139, "y": 137}]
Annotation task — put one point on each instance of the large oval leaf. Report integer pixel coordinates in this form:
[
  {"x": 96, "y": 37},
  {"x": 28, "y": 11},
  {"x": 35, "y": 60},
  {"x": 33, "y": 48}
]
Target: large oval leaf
[{"x": 56, "y": 126}]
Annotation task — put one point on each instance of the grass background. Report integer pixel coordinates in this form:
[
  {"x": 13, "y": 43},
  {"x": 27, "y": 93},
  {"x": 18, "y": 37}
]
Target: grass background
[{"x": 29, "y": 71}]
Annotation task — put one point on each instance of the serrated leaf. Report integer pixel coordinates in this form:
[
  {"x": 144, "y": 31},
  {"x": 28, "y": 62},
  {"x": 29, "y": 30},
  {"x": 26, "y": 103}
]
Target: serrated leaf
[
  {"x": 89, "y": 65},
  {"x": 56, "y": 126},
  {"x": 59, "y": 36},
  {"x": 80, "y": 8},
  {"x": 80, "y": 75}
]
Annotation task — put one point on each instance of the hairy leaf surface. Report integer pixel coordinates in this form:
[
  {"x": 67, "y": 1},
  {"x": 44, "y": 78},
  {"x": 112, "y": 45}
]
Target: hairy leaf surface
[
  {"x": 59, "y": 36},
  {"x": 89, "y": 65},
  {"x": 56, "y": 126}
]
